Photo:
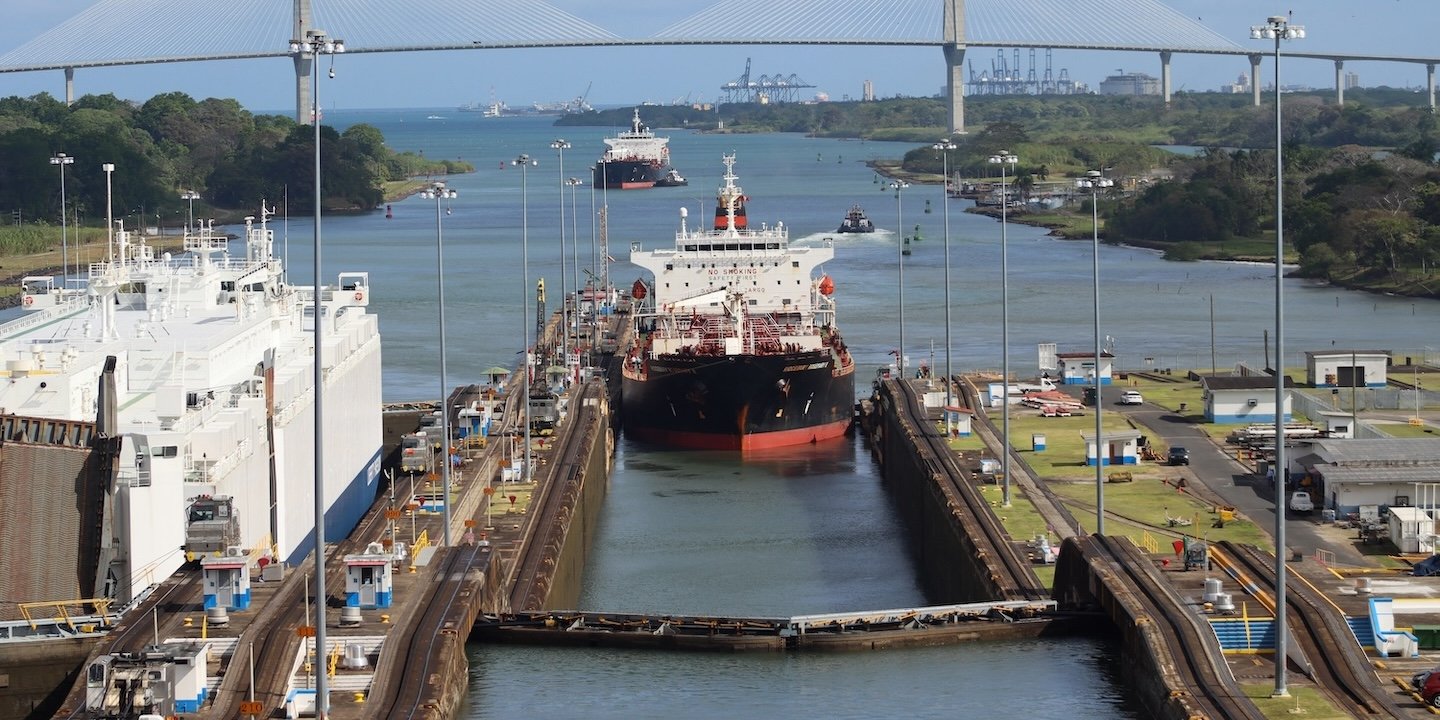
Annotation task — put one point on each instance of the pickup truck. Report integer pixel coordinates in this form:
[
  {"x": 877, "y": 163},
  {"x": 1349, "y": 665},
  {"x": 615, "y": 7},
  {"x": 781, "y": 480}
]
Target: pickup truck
[{"x": 1300, "y": 502}]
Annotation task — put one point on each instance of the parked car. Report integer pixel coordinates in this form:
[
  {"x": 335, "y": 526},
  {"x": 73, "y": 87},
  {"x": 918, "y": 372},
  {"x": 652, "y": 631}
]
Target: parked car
[
  {"x": 1132, "y": 397},
  {"x": 1300, "y": 502},
  {"x": 1430, "y": 692},
  {"x": 1179, "y": 456}
]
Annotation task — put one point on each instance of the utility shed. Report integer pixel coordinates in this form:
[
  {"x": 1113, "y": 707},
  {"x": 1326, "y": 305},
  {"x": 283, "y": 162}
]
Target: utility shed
[
  {"x": 1242, "y": 398},
  {"x": 1078, "y": 368},
  {"x": 1346, "y": 368},
  {"x": 1412, "y": 530}
]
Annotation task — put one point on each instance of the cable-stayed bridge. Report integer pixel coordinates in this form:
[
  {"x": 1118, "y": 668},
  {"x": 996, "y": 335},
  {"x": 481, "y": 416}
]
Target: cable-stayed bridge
[{"x": 136, "y": 32}]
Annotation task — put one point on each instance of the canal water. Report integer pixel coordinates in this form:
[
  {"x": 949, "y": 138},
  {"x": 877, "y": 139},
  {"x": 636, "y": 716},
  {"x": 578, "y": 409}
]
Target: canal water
[{"x": 810, "y": 530}]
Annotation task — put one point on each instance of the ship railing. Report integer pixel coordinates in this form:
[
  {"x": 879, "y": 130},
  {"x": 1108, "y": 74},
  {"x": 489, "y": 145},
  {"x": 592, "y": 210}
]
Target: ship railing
[{"x": 37, "y": 318}]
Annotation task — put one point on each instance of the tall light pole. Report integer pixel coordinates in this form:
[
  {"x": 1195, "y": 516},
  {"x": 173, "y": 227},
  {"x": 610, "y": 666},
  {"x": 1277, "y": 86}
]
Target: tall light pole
[
  {"x": 525, "y": 164},
  {"x": 1004, "y": 159},
  {"x": 109, "y": 168},
  {"x": 316, "y": 43},
  {"x": 191, "y": 196},
  {"x": 1277, "y": 27},
  {"x": 438, "y": 191},
  {"x": 560, "y": 145},
  {"x": 574, "y": 260},
  {"x": 944, "y": 147},
  {"x": 62, "y": 160},
  {"x": 897, "y": 186},
  {"x": 1093, "y": 181},
  {"x": 594, "y": 267}
]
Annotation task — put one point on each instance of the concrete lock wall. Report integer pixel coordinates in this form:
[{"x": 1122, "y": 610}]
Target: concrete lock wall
[
  {"x": 947, "y": 559},
  {"x": 584, "y": 500}
]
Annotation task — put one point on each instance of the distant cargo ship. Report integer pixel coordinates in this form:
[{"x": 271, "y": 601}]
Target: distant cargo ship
[
  {"x": 633, "y": 159},
  {"x": 736, "y": 345}
]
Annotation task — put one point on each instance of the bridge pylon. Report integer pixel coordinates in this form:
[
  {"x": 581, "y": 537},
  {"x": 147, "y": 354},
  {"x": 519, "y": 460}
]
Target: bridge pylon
[
  {"x": 954, "y": 49},
  {"x": 304, "y": 63}
]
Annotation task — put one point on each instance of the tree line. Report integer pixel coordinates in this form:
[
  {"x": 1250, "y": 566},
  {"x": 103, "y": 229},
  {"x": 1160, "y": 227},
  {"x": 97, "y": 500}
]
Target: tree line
[{"x": 173, "y": 143}]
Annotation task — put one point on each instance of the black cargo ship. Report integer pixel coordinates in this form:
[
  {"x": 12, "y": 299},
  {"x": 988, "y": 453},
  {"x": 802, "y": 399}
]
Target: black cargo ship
[
  {"x": 633, "y": 159},
  {"x": 736, "y": 345}
]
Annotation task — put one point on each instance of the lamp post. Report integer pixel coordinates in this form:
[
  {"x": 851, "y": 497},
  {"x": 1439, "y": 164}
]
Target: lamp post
[
  {"x": 574, "y": 260},
  {"x": 525, "y": 164},
  {"x": 594, "y": 267},
  {"x": 1093, "y": 181},
  {"x": 315, "y": 43},
  {"x": 944, "y": 147},
  {"x": 191, "y": 196},
  {"x": 62, "y": 160},
  {"x": 560, "y": 146},
  {"x": 1004, "y": 159},
  {"x": 897, "y": 186},
  {"x": 109, "y": 168},
  {"x": 438, "y": 191},
  {"x": 1278, "y": 28}
]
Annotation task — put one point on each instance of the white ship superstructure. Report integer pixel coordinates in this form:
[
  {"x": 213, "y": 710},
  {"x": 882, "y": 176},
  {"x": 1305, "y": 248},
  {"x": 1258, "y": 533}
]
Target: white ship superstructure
[{"x": 213, "y": 367}]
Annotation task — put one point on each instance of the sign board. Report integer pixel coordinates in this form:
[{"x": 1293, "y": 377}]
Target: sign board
[{"x": 1048, "y": 361}]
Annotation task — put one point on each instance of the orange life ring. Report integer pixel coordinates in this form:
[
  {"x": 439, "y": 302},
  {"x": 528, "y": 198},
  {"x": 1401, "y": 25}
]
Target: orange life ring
[
  {"x": 28, "y": 300},
  {"x": 359, "y": 296}
]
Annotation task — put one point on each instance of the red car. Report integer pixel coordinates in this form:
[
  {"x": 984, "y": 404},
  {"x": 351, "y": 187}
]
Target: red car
[{"x": 1430, "y": 690}]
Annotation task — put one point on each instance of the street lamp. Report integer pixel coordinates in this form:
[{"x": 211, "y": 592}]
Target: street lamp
[
  {"x": 525, "y": 164},
  {"x": 109, "y": 168},
  {"x": 574, "y": 259},
  {"x": 594, "y": 266},
  {"x": 944, "y": 147},
  {"x": 1278, "y": 28},
  {"x": 438, "y": 191},
  {"x": 1004, "y": 159},
  {"x": 560, "y": 146},
  {"x": 191, "y": 196},
  {"x": 897, "y": 186},
  {"x": 62, "y": 160},
  {"x": 316, "y": 43},
  {"x": 1093, "y": 181}
]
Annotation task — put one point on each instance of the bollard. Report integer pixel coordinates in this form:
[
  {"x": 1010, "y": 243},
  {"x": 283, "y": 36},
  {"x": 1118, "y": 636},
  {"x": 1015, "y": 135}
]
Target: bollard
[
  {"x": 384, "y": 618},
  {"x": 359, "y": 697}
]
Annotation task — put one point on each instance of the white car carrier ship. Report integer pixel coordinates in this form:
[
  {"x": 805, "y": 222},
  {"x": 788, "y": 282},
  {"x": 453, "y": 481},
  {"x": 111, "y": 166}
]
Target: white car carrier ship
[{"x": 168, "y": 381}]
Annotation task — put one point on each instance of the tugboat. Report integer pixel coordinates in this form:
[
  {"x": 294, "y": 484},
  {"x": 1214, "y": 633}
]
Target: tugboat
[
  {"x": 726, "y": 359},
  {"x": 672, "y": 179},
  {"x": 856, "y": 222},
  {"x": 633, "y": 159}
]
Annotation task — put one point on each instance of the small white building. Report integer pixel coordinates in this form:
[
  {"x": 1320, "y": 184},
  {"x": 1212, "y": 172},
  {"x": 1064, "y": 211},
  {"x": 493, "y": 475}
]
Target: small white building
[
  {"x": 1118, "y": 447},
  {"x": 1346, "y": 368},
  {"x": 1078, "y": 368},
  {"x": 1386, "y": 472},
  {"x": 960, "y": 419},
  {"x": 1242, "y": 398}
]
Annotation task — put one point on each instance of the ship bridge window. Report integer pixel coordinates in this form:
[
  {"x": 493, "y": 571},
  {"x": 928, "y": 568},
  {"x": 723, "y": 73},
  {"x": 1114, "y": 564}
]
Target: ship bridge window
[
  {"x": 669, "y": 266},
  {"x": 228, "y": 286},
  {"x": 794, "y": 263},
  {"x": 691, "y": 248}
]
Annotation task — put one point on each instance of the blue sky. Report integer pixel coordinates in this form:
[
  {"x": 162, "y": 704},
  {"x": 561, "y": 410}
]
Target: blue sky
[{"x": 626, "y": 75}]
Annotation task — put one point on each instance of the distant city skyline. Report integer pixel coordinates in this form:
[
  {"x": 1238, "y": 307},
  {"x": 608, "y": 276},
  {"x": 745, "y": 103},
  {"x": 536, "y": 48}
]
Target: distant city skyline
[{"x": 668, "y": 74}]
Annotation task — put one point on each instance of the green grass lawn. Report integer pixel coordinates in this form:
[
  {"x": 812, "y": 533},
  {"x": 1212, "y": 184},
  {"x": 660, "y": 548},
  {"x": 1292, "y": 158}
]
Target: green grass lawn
[
  {"x": 1141, "y": 506},
  {"x": 1303, "y": 702},
  {"x": 1405, "y": 430}
]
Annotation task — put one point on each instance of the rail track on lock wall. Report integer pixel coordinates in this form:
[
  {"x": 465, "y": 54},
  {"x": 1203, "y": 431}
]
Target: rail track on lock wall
[
  {"x": 1330, "y": 654},
  {"x": 412, "y": 660},
  {"x": 551, "y": 507},
  {"x": 1016, "y": 577},
  {"x": 1200, "y": 670}
]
